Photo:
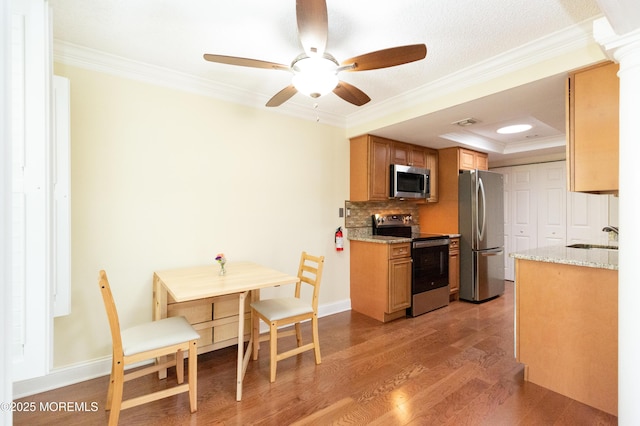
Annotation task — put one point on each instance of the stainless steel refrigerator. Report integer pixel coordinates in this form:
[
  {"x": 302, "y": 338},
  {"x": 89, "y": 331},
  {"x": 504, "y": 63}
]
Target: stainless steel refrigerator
[{"x": 481, "y": 225}]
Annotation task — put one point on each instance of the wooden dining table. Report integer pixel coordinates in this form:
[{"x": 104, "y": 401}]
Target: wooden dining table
[{"x": 202, "y": 283}]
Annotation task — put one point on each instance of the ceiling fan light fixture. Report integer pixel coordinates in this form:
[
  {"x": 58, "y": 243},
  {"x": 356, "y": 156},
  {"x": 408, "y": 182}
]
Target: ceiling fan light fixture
[
  {"x": 516, "y": 128},
  {"x": 315, "y": 76}
]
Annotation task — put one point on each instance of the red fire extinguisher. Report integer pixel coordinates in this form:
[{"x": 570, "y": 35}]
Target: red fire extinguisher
[{"x": 339, "y": 239}]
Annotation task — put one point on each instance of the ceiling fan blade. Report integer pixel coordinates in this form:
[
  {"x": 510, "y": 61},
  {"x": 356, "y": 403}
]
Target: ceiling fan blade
[
  {"x": 313, "y": 25},
  {"x": 351, "y": 94},
  {"x": 387, "y": 58},
  {"x": 282, "y": 96},
  {"x": 244, "y": 62}
]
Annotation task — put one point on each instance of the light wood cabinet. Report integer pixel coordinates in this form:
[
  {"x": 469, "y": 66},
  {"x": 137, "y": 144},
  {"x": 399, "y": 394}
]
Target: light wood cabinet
[
  {"x": 380, "y": 279},
  {"x": 454, "y": 268},
  {"x": 442, "y": 217},
  {"x": 593, "y": 95},
  {"x": 369, "y": 168},
  {"x": 567, "y": 330},
  {"x": 432, "y": 165},
  {"x": 408, "y": 155},
  {"x": 370, "y": 159},
  {"x": 399, "y": 277},
  {"x": 470, "y": 160}
]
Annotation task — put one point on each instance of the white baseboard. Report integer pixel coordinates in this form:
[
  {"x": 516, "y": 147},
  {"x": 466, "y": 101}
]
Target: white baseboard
[
  {"x": 88, "y": 370},
  {"x": 334, "y": 308},
  {"x": 64, "y": 376}
]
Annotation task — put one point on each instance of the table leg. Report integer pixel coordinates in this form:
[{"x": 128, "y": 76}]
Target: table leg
[
  {"x": 243, "y": 357},
  {"x": 255, "y": 326},
  {"x": 159, "y": 312}
]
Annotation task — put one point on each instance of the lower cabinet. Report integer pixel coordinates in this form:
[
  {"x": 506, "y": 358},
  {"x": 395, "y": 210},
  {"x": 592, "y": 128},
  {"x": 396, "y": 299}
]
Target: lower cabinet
[
  {"x": 566, "y": 330},
  {"x": 399, "y": 291},
  {"x": 380, "y": 279},
  {"x": 454, "y": 268}
]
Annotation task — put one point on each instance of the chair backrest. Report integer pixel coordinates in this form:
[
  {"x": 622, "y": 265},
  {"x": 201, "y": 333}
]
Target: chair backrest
[
  {"x": 112, "y": 313},
  {"x": 310, "y": 272}
]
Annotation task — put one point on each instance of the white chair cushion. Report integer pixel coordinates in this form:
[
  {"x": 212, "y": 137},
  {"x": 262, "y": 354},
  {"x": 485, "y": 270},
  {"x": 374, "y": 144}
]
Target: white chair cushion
[
  {"x": 276, "y": 309},
  {"x": 157, "y": 334}
]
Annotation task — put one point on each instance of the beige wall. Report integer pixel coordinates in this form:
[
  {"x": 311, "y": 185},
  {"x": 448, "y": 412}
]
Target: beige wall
[{"x": 162, "y": 178}]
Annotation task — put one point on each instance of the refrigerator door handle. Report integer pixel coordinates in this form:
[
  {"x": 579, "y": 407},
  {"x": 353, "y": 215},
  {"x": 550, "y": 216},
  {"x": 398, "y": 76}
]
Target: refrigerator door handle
[
  {"x": 484, "y": 210},
  {"x": 492, "y": 252}
]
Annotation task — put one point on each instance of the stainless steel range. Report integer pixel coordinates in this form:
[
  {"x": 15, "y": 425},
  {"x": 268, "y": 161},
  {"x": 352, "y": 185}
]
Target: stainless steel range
[{"x": 430, "y": 256}]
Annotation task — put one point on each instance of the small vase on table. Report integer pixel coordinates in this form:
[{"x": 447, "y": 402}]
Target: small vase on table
[{"x": 221, "y": 260}]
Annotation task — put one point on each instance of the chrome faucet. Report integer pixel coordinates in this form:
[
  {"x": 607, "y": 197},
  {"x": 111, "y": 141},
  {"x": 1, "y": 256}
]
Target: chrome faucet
[{"x": 610, "y": 229}]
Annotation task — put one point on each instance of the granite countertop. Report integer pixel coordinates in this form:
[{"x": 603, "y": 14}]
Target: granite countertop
[
  {"x": 592, "y": 258},
  {"x": 382, "y": 239}
]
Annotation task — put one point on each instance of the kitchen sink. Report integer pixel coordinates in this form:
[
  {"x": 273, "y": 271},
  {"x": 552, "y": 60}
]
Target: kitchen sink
[{"x": 593, "y": 246}]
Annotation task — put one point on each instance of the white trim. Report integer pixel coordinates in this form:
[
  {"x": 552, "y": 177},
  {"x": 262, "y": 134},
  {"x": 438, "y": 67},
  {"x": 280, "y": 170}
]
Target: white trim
[
  {"x": 334, "y": 308},
  {"x": 61, "y": 198},
  {"x": 33, "y": 337},
  {"x": 83, "y": 57},
  {"x": 6, "y": 376},
  {"x": 81, "y": 372},
  {"x": 60, "y": 377},
  {"x": 537, "y": 51}
]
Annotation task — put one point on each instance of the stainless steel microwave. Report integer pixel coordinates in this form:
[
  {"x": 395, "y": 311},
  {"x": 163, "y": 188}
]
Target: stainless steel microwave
[{"x": 408, "y": 182}]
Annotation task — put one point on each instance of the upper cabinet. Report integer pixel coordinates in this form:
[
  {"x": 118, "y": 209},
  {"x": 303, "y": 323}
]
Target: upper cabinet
[
  {"x": 408, "y": 155},
  {"x": 370, "y": 159},
  {"x": 593, "y": 95},
  {"x": 470, "y": 160},
  {"x": 442, "y": 217},
  {"x": 432, "y": 164},
  {"x": 369, "y": 170}
]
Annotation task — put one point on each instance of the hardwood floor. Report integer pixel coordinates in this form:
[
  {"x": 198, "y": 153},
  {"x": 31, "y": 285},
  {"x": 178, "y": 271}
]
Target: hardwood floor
[{"x": 453, "y": 366}]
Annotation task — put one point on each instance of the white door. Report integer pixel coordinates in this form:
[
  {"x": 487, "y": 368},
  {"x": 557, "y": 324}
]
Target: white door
[
  {"x": 552, "y": 200},
  {"x": 509, "y": 272},
  {"x": 539, "y": 211},
  {"x": 524, "y": 208}
]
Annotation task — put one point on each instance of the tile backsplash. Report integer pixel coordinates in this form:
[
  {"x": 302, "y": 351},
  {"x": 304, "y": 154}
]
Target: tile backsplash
[{"x": 358, "y": 219}]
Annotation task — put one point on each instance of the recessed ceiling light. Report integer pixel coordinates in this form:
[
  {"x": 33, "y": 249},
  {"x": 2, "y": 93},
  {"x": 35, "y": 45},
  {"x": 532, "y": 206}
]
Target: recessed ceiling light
[{"x": 516, "y": 128}]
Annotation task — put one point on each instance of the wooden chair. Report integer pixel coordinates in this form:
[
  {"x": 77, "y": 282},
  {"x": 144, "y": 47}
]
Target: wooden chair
[
  {"x": 291, "y": 310},
  {"x": 143, "y": 342}
]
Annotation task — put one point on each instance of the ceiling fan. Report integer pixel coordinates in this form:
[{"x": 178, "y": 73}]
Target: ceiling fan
[{"x": 315, "y": 72}]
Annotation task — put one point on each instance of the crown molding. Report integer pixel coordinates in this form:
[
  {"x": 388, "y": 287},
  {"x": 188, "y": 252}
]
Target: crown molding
[
  {"x": 537, "y": 51},
  {"x": 95, "y": 60},
  {"x": 552, "y": 46}
]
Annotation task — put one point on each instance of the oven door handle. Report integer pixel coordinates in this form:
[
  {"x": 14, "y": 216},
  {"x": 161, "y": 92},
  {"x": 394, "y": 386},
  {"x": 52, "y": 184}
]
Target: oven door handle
[{"x": 431, "y": 243}]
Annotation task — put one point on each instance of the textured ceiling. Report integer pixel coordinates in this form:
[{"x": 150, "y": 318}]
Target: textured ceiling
[{"x": 175, "y": 34}]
